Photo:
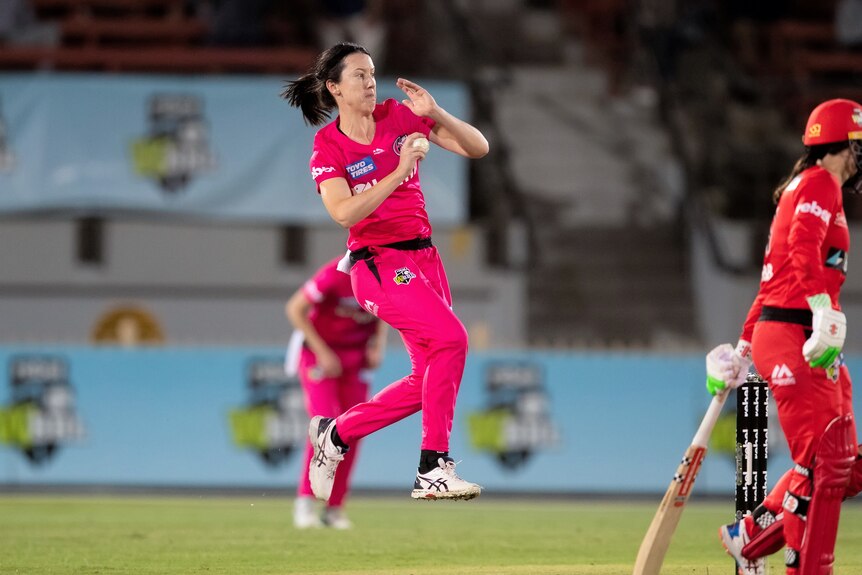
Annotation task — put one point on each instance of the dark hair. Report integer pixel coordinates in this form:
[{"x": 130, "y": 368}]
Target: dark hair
[
  {"x": 808, "y": 158},
  {"x": 309, "y": 92}
]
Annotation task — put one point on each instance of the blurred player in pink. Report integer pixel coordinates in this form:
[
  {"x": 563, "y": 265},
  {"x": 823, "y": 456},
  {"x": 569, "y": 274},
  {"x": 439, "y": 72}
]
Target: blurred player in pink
[
  {"x": 797, "y": 329},
  {"x": 334, "y": 343},
  {"x": 366, "y": 166}
]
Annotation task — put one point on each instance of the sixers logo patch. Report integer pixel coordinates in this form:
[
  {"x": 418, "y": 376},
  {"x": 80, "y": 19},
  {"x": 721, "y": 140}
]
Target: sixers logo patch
[
  {"x": 403, "y": 276},
  {"x": 399, "y": 143}
]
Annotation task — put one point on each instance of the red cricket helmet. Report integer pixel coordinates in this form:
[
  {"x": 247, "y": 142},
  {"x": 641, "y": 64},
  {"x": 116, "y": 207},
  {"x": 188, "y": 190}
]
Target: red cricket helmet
[{"x": 834, "y": 121}]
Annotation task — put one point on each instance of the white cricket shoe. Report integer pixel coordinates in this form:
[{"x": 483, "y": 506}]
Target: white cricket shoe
[
  {"x": 734, "y": 537},
  {"x": 305, "y": 514},
  {"x": 327, "y": 456},
  {"x": 336, "y": 518},
  {"x": 443, "y": 483}
]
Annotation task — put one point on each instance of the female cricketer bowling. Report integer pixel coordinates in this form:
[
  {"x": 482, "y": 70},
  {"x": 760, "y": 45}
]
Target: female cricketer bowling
[
  {"x": 366, "y": 167},
  {"x": 796, "y": 329},
  {"x": 335, "y": 345}
]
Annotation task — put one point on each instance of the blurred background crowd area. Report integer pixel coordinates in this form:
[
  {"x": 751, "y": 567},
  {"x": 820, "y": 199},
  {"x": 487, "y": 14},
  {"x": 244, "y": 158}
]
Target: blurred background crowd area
[{"x": 625, "y": 203}]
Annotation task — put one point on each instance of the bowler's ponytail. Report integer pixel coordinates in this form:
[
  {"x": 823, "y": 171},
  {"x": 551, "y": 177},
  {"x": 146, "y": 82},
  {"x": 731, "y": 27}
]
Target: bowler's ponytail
[
  {"x": 304, "y": 94},
  {"x": 309, "y": 91}
]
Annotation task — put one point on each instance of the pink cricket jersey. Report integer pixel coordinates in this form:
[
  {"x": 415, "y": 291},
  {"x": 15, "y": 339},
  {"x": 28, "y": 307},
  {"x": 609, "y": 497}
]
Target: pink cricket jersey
[
  {"x": 402, "y": 215},
  {"x": 335, "y": 313}
]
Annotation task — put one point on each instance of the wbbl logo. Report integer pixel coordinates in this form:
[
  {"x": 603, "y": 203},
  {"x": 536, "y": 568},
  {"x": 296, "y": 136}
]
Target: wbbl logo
[
  {"x": 274, "y": 422},
  {"x": 517, "y": 421},
  {"x": 7, "y": 159},
  {"x": 41, "y": 414},
  {"x": 177, "y": 147}
]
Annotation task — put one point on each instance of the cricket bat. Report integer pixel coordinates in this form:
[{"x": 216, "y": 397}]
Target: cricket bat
[{"x": 658, "y": 536}]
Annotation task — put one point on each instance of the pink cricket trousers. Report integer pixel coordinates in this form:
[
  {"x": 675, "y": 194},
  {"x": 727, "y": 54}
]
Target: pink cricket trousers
[
  {"x": 409, "y": 291},
  {"x": 329, "y": 396}
]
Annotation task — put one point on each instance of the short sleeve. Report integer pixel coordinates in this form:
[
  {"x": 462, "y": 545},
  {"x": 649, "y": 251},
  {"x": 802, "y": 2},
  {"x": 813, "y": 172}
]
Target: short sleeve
[
  {"x": 324, "y": 164},
  {"x": 321, "y": 284}
]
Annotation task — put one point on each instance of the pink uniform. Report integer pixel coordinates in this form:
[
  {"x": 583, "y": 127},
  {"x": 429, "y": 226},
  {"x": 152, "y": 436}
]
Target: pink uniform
[
  {"x": 403, "y": 284},
  {"x": 347, "y": 329},
  {"x": 402, "y": 216},
  {"x": 335, "y": 314}
]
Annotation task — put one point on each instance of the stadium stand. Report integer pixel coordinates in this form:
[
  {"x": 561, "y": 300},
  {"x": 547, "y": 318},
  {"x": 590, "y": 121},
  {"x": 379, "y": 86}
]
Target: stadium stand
[{"x": 149, "y": 36}]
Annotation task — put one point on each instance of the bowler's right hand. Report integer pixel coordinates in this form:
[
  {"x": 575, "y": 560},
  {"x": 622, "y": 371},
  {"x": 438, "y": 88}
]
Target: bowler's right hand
[{"x": 410, "y": 154}]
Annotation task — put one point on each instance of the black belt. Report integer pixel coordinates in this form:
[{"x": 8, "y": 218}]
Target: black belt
[
  {"x": 406, "y": 246},
  {"x": 786, "y": 315}
]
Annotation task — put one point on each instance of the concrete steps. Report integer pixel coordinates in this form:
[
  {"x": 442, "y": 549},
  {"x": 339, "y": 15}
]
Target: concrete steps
[{"x": 603, "y": 190}]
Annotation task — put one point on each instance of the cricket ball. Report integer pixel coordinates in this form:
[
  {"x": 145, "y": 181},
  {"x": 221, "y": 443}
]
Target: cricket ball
[{"x": 422, "y": 144}]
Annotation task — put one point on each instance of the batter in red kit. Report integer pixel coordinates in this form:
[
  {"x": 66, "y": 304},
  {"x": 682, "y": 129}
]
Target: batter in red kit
[{"x": 796, "y": 332}]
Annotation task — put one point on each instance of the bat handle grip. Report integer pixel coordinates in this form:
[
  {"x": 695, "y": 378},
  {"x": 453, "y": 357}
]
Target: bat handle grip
[{"x": 701, "y": 438}]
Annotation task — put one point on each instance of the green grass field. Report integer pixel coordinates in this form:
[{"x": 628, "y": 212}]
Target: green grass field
[{"x": 71, "y": 535}]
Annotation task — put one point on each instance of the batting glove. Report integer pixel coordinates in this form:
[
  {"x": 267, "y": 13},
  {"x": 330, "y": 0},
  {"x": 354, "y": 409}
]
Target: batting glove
[
  {"x": 726, "y": 367},
  {"x": 721, "y": 369},
  {"x": 829, "y": 328},
  {"x": 742, "y": 360}
]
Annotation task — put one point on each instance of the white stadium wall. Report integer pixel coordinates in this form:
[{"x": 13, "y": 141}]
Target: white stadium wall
[
  {"x": 209, "y": 282},
  {"x": 723, "y": 298}
]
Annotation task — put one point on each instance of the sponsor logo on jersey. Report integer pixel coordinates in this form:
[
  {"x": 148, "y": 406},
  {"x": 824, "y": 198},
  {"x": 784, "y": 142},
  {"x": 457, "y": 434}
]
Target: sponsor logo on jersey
[
  {"x": 781, "y": 375},
  {"x": 317, "y": 172},
  {"x": 857, "y": 116},
  {"x": 403, "y": 276},
  {"x": 399, "y": 143},
  {"x": 378, "y": 151},
  {"x": 361, "y": 187},
  {"x": 841, "y": 220},
  {"x": 766, "y": 273},
  {"x": 361, "y": 168},
  {"x": 371, "y": 307},
  {"x": 413, "y": 173},
  {"x": 837, "y": 259},
  {"x": 815, "y": 210}
]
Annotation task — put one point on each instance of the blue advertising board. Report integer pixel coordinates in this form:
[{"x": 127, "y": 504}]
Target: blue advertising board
[
  {"x": 526, "y": 421},
  {"x": 215, "y": 147}
]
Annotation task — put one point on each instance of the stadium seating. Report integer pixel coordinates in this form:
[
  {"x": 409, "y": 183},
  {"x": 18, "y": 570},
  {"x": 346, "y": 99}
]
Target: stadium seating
[
  {"x": 160, "y": 59},
  {"x": 147, "y": 36},
  {"x": 166, "y": 31},
  {"x": 804, "y": 50}
]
